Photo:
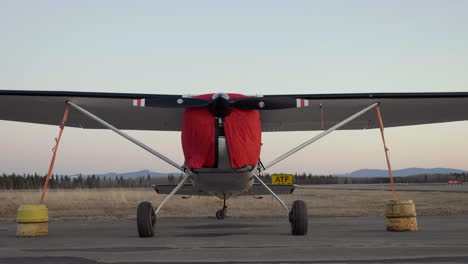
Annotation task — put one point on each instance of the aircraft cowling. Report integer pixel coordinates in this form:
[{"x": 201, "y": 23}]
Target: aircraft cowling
[{"x": 242, "y": 129}]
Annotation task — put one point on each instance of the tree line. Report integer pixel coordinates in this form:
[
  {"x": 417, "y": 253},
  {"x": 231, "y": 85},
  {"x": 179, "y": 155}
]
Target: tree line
[
  {"x": 35, "y": 181},
  {"x": 330, "y": 179}
]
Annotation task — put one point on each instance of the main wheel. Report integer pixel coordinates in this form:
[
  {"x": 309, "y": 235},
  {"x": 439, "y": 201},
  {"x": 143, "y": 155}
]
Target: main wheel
[
  {"x": 298, "y": 218},
  {"x": 146, "y": 218},
  {"x": 220, "y": 214}
]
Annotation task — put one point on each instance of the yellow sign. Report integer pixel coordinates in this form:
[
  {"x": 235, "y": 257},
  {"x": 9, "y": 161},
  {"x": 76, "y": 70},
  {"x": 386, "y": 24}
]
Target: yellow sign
[{"x": 282, "y": 179}]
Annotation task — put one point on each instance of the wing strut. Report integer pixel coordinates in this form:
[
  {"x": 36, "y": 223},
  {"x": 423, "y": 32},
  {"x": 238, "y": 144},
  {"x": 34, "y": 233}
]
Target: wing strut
[
  {"x": 125, "y": 135},
  {"x": 321, "y": 135},
  {"x": 308, "y": 142},
  {"x": 138, "y": 143}
]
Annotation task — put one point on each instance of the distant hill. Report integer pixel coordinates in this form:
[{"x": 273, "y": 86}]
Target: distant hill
[
  {"x": 400, "y": 173},
  {"x": 358, "y": 173},
  {"x": 128, "y": 175}
]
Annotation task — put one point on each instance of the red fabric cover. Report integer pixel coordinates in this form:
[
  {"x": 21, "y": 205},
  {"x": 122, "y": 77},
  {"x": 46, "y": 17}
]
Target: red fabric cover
[
  {"x": 243, "y": 136},
  {"x": 198, "y": 132}
]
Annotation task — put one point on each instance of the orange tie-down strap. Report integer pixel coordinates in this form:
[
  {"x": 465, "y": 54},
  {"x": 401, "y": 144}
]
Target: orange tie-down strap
[
  {"x": 387, "y": 155},
  {"x": 54, "y": 151}
]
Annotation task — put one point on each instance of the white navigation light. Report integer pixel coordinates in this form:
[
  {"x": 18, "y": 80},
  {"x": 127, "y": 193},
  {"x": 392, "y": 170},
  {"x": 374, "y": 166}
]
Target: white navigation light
[{"x": 180, "y": 101}]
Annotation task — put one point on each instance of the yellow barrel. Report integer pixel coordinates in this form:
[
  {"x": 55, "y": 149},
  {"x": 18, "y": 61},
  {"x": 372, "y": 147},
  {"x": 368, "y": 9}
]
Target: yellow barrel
[
  {"x": 32, "y": 221},
  {"x": 401, "y": 216}
]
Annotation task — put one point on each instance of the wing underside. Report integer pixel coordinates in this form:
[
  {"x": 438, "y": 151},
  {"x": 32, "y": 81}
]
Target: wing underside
[
  {"x": 320, "y": 111},
  {"x": 48, "y": 108},
  {"x": 323, "y": 113}
]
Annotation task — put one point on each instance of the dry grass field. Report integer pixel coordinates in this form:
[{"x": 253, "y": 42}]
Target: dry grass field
[{"x": 97, "y": 204}]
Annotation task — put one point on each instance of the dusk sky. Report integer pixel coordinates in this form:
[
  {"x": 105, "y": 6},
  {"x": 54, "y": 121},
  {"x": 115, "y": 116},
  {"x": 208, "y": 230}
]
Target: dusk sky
[{"x": 250, "y": 47}]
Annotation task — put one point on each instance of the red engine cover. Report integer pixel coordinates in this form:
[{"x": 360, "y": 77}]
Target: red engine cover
[{"x": 243, "y": 136}]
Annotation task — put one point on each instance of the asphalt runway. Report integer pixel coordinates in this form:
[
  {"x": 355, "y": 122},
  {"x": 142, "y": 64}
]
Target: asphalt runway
[
  {"x": 399, "y": 187},
  {"x": 244, "y": 240}
]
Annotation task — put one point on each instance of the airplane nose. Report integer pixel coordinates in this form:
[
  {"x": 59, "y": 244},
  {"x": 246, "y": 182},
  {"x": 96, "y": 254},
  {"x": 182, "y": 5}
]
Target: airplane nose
[{"x": 220, "y": 106}]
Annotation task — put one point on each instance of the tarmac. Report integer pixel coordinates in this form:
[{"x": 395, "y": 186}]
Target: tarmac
[{"x": 241, "y": 240}]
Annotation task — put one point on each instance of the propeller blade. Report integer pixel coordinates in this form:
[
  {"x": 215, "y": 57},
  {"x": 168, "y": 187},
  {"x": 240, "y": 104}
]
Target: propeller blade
[
  {"x": 268, "y": 103},
  {"x": 170, "y": 102}
]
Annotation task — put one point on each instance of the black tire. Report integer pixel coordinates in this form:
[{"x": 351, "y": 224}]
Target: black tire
[
  {"x": 220, "y": 214},
  {"x": 146, "y": 219},
  {"x": 298, "y": 218}
]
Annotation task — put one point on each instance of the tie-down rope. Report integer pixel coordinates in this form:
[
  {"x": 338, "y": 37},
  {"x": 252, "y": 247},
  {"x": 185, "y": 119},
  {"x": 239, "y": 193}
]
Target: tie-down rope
[
  {"x": 54, "y": 151},
  {"x": 387, "y": 154}
]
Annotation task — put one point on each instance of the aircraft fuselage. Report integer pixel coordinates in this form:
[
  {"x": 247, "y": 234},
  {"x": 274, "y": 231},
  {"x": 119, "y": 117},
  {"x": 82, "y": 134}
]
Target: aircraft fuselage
[{"x": 221, "y": 146}]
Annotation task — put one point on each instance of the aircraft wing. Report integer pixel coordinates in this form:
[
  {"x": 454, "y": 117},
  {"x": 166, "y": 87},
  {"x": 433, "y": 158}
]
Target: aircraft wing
[
  {"x": 398, "y": 109},
  {"x": 44, "y": 107},
  {"x": 320, "y": 112}
]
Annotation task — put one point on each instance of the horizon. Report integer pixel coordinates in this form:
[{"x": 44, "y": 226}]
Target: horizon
[{"x": 282, "y": 172}]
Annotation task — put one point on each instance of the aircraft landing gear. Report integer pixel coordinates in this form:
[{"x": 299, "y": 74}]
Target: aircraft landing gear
[
  {"x": 220, "y": 214},
  {"x": 146, "y": 219},
  {"x": 298, "y": 218}
]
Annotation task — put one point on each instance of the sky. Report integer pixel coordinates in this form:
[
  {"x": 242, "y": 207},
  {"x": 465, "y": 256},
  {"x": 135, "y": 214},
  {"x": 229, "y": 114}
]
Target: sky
[{"x": 250, "y": 47}]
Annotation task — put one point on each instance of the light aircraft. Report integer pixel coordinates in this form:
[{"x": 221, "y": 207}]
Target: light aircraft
[{"x": 221, "y": 132}]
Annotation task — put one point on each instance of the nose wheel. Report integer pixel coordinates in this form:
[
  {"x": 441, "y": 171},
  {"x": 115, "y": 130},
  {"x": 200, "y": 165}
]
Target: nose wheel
[{"x": 221, "y": 213}]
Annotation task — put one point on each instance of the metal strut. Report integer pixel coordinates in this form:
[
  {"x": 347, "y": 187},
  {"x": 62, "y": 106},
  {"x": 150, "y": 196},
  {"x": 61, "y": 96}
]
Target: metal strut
[
  {"x": 125, "y": 135},
  {"x": 138, "y": 143},
  {"x": 321, "y": 135},
  {"x": 224, "y": 202},
  {"x": 308, "y": 142},
  {"x": 272, "y": 193},
  {"x": 181, "y": 183}
]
